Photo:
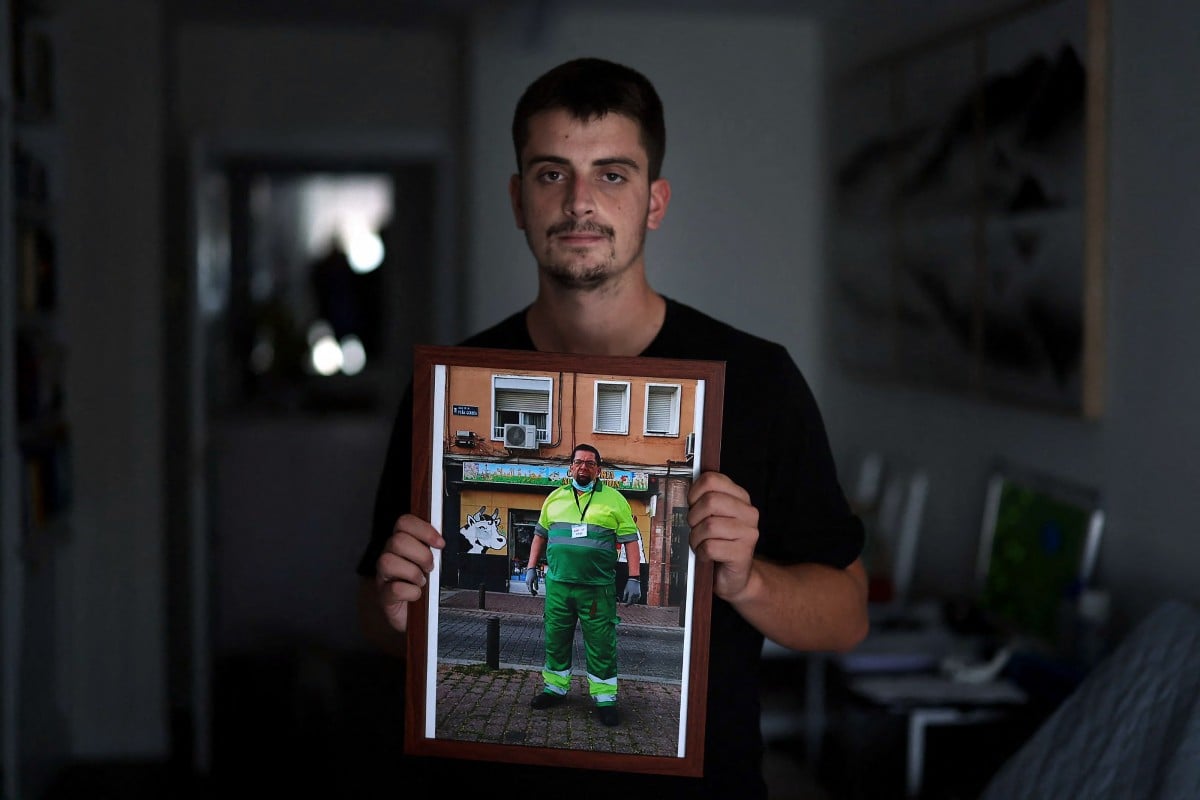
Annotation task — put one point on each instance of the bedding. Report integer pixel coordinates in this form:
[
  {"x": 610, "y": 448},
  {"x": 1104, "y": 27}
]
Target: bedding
[{"x": 1130, "y": 730}]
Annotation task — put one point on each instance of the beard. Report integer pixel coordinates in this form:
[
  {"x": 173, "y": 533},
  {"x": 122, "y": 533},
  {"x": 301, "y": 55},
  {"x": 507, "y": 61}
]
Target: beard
[{"x": 570, "y": 273}]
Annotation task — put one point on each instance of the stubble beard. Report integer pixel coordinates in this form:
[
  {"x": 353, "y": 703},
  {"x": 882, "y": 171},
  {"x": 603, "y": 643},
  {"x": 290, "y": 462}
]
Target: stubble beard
[{"x": 588, "y": 276}]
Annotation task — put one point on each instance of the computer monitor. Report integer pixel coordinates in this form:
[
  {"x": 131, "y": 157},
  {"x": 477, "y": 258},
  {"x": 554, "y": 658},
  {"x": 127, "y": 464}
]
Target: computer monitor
[{"x": 1037, "y": 549}]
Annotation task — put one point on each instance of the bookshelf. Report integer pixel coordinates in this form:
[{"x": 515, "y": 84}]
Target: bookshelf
[{"x": 35, "y": 436}]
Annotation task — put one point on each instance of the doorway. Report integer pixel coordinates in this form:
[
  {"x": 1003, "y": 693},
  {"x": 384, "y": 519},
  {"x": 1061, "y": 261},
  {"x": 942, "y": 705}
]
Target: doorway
[
  {"x": 314, "y": 278},
  {"x": 521, "y": 522}
]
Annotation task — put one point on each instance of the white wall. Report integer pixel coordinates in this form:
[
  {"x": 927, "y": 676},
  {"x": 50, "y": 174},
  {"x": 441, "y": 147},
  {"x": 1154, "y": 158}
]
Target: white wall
[
  {"x": 744, "y": 102},
  {"x": 295, "y": 494},
  {"x": 743, "y": 97},
  {"x": 1139, "y": 454},
  {"x": 327, "y": 90},
  {"x": 111, "y": 243},
  {"x": 741, "y": 238},
  {"x": 294, "y": 82}
]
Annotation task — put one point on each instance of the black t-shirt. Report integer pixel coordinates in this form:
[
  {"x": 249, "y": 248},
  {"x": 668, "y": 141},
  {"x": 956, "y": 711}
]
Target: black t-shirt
[{"x": 774, "y": 445}]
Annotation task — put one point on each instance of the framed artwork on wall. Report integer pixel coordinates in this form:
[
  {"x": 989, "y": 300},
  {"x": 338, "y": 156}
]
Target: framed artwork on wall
[
  {"x": 495, "y": 434},
  {"x": 969, "y": 198}
]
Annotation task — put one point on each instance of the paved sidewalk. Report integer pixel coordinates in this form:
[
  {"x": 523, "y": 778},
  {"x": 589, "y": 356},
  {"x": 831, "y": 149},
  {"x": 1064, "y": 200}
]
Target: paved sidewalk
[{"x": 479, "y": 704}]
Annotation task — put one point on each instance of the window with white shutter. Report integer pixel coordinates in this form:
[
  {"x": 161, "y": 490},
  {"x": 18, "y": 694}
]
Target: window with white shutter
[
  {"x": 518, "y": 400},
  {"x": 662, "y": 409},
  {"x": 612, "y": 407}
]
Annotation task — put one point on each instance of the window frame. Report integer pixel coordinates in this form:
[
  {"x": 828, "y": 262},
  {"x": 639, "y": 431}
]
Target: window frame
[
  {"x": 676, "y": 396},
  {"x": 543, "y": 432},
  {"x": 626, "y": 392}
]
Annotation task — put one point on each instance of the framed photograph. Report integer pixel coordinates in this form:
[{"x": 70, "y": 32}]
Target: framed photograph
[
  {"x": 970, "y": 210},
  {"x": 494, "y": 436}
]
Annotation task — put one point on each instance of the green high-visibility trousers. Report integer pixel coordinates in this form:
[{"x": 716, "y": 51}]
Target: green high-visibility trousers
[{"x": 595, "y": 609}]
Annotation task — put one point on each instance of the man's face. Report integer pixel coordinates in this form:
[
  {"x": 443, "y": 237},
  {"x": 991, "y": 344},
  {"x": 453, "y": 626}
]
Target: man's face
[
  {"x": 584, "y": 199},
  {"x": 584, "y": 467}
]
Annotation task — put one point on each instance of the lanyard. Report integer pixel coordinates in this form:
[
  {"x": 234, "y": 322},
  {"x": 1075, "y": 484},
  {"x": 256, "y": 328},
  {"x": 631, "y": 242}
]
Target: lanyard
[{"x": 591, "y": 496}]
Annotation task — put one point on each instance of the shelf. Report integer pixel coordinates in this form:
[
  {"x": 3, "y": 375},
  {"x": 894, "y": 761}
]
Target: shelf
[
  {"x": 36, "y": 475},
  {"x": 33, "y": 68},
  {"x": 34, "y": 379},
  {"x": 34, "y": 213},
  {"x": 32, "y": 120},
  {"x": 46, "y": 430},
  {"x": 33, "y": 185},
  {"x": 39, "y": 322}
]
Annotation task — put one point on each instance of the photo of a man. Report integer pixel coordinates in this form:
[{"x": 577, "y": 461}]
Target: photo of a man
[
  {"x": 567, "y": 579},
  {"x": 580, "y": 528}
]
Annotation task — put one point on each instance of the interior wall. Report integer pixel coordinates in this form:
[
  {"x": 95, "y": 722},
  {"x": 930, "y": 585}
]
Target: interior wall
[
  {"x": 285, "y": 567},
  {"x": 1137, "y": 454},
  {"x": 113, "y": 630},
  {"x": 741, "y": 239},
  {"x": 294, "y": 81},
  {"x": 295, "y": 493},
  {"x": 746, "y": 167},
  {"x": 331, "y": 89}
]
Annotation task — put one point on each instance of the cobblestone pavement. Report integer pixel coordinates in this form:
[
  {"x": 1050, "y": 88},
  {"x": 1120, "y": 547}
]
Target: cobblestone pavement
[{"x": 478, "y": 703}]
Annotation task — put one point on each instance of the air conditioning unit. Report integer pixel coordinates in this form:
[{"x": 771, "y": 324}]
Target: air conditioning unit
[
  {"x": 520, "y": 437},
  {"x": 689, "y": 447}
]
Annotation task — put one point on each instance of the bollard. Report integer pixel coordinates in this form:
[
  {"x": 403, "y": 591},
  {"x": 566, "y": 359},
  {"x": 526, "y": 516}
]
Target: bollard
[
  {"x": 482, "y": 597},
  {"x": 493, "y": 642}
]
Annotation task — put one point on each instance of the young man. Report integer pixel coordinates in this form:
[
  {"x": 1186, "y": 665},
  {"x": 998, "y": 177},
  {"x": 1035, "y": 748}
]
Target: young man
[
  {"x": 581, "y": 525},
  {"x": 590, "y": 139}
]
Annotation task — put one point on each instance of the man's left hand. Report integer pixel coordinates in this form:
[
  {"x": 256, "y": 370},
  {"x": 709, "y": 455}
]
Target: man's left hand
[
  {"x": 633, "y": 591},
  {"x": 724, "y": 530}
]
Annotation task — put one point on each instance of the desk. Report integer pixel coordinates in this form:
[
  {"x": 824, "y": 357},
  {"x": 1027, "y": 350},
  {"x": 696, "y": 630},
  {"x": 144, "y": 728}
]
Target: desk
[
  {"x": 929, "y": 700},
  {"x": 890, "y": 648},
  {"x": 897, "y": 671}
]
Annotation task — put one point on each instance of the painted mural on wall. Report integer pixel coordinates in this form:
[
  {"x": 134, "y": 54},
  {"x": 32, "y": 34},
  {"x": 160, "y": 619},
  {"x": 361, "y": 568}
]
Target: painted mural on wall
[
  {"x": 482, "y": 532},
  {"x": 553, "y": 475}
]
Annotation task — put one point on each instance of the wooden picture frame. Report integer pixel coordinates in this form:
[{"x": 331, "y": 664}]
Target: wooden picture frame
[
  {"x": 493, "y": 434},
  {"x": 970, "y": 201}
]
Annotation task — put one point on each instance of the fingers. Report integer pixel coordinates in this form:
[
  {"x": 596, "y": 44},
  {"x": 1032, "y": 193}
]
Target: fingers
[
  {"x": 714, "y": 495},
  {"x": 724, "y": 539},
  {"x": 418, "y": 529},
  {"x": 397, "y": 591},
  {"x": 720, "y": 483},
  {"x": 407, "y": 559},
  {"x": 724, "y": 530}
]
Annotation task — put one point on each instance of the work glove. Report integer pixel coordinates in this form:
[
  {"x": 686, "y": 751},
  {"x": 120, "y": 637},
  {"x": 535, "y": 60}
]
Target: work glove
[
  {"x": 633, "y": 591},
  {"x": 531, "y": 579}
]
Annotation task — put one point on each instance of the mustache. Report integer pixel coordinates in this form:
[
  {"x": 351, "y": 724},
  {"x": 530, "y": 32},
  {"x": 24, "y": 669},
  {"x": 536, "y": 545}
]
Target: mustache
[{"x": 580, "y": 227}]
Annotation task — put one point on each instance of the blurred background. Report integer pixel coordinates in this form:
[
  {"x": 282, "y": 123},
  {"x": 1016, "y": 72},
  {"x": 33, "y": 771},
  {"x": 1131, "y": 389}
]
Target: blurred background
[{"x": 255, "y": 209}]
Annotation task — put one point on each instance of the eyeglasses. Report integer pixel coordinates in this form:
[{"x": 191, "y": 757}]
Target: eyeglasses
[{"x": 579, "y": 462}]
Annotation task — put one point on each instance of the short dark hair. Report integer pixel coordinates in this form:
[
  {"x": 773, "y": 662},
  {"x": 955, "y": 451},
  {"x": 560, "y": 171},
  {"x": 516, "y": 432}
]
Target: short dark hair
[
  {"x": 588, "y": 448},
  {"x": 590, "y": 88}
]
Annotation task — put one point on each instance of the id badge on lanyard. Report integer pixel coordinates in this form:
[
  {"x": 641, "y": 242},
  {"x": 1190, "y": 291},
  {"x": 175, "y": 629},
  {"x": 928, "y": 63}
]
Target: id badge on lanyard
[{"x": 579, "y": 529}]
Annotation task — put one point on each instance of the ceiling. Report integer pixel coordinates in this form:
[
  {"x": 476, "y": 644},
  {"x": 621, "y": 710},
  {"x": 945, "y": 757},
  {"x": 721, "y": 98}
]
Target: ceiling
[
  {"x": 856, "y": 28},
  {"x": 409, "y": 12}
]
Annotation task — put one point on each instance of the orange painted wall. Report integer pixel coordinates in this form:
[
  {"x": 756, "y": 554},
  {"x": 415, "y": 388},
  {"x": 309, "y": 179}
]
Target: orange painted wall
[{"x": 571, "y": 418}]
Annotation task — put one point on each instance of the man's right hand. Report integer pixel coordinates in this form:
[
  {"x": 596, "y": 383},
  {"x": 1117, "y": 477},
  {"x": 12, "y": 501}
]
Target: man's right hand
[{"x": 402, "y": 570}]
